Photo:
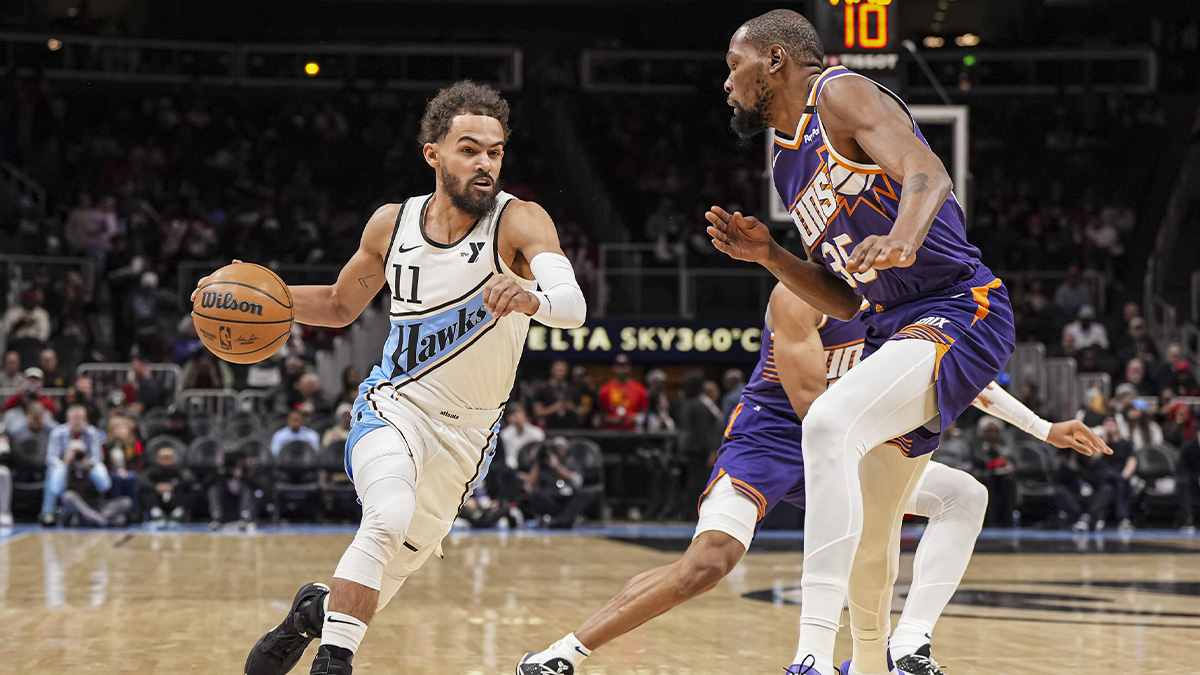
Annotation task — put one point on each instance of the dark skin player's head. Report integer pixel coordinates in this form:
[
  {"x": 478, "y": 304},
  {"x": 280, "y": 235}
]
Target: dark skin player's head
[
  {"x": 463, "y": 133},
  {"x": 765, "y": 56}
]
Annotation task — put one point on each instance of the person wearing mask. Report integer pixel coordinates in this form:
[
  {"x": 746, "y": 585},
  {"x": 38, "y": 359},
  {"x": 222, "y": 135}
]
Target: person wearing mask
[
  {"x": 557, "y": 402},
  {"x": 622, "y": 398},
  {"x": 1087, "y": 331},
  {"x": 1119, "y": 467},
  {"x": 166, "y": 490},
  {"x": 518, "y": 433}
]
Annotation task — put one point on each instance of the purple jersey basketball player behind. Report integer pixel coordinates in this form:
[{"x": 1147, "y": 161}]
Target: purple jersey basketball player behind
[{"x": 874, "y": 208}]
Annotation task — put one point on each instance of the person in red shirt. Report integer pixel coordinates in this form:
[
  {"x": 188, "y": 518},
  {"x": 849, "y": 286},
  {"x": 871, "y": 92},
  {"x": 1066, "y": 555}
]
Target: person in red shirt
[
  {"x": 31, "y": 391},
  {"x": 622, "y": 398}
]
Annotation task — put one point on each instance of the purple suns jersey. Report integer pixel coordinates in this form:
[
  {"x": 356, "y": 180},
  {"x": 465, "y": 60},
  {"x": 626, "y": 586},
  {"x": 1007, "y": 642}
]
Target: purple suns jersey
[
  {"x": 843, "y": 342},
  {"x": 836, "y": 203}
]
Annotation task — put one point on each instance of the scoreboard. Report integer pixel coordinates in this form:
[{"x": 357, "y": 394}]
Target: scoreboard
[{"x": 856, "y": 26}]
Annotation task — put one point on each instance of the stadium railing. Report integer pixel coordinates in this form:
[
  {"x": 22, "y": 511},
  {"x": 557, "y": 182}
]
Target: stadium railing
[{"x": 108, "y": 377}]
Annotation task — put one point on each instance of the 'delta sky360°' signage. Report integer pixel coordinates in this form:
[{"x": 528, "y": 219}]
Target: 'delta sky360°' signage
[{"x": 647, "y": 341}]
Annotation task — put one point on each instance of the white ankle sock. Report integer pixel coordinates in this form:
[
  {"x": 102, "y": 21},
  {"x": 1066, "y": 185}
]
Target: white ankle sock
[
  {"x": 342, "y": 630},
  {"x": 569, "y": 648}
]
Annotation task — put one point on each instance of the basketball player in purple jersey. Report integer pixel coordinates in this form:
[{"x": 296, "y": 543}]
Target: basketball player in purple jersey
[
  {"x": 874, "y": 209},
  {"x": 761, "y": 464}
]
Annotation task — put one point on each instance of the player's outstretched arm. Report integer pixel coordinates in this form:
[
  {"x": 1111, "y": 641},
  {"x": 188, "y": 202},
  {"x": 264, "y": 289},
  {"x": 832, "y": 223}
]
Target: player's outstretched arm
[
  {"x": 746, "y": 238},
  {"x": 529, "y": 245},
  {"x": 855, "y": 111},
  {"x": 1073, "y": 434},
  {"x": 799, "y": 354},
  {"x": 340, "y": 304}
]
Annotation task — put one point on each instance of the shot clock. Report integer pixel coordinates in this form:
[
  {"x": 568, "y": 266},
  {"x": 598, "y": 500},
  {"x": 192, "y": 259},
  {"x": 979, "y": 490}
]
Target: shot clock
[{"x": 857, "y": 26}]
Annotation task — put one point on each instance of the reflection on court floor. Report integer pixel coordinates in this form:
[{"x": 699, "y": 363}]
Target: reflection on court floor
[{"x": 194, "y": 602}]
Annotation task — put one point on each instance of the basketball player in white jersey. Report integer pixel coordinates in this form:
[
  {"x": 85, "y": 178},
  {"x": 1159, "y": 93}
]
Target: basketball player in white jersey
[
  {"x": 761, "y": 464},
  {"x": 464, "y": 266}
]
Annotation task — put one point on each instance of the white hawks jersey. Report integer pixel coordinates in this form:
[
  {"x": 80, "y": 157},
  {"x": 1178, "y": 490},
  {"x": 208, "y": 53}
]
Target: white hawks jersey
[{"x": 444, "y": 347}]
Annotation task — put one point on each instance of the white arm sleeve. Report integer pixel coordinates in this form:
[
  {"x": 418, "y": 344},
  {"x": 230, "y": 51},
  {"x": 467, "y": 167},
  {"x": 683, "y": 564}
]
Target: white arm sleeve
[
  {"x": 562, "y": 304},
  {"x": 999, "y": 403}
]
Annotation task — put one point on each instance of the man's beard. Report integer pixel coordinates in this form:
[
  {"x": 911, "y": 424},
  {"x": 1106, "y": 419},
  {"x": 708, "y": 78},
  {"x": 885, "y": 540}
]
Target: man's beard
[
  {"x": 466, "y": 198},
  {"x": 749, "y": 121}
]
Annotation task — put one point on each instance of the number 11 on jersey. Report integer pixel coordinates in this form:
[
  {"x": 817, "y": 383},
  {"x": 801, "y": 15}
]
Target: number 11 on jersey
[{"x": 398, "y": 283}]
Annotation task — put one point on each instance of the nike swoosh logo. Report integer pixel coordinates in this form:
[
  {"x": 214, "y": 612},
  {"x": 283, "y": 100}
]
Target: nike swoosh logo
[
  {"x": 406, "y": 250},
  {"x": 333, "y": 620},
  {"x": 777, "y": 154}
]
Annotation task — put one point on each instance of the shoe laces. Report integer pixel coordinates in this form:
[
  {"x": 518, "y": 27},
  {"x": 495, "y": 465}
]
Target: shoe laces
[
  {"x": 918, "y": 664},
  {"x": 809, "y": 663}
]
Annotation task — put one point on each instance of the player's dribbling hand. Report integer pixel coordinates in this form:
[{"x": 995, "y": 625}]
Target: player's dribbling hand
[
  {"x": 881, "y": 252},
  {"x": 503, "y": 296},
  {"x": 203, "y": 280},
  {"x": 1077, "y": 436},
  {"x": 737, "y": 236}
]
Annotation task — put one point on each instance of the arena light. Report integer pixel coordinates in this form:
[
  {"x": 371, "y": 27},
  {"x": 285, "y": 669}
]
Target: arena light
[
  {"x": 933, "y": 41},
  {"x": 967, "y": 40},
  {"x": 312, "y": 68},
  {"x": 53, "y": 45}
]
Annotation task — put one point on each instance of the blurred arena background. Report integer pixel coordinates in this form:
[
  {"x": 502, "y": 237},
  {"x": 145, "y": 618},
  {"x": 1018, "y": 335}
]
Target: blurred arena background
[{"x": 143, "y": 143}]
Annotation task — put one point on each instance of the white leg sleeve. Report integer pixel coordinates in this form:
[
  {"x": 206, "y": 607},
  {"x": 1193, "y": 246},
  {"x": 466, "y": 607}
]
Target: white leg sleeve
[
  {"x": 385, "y": 477},
  {"x": 955, "y": 504},
  {"x": 887, "y": 395},
  {"x": 726, "y": 510}
]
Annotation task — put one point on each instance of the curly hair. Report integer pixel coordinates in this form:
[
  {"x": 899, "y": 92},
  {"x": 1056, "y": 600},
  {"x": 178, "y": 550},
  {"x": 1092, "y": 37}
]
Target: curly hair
[{"x": 464, "y": 97}]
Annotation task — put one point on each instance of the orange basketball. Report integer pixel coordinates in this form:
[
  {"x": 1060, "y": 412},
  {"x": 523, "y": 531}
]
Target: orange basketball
[{"x": 243, "y": 313}]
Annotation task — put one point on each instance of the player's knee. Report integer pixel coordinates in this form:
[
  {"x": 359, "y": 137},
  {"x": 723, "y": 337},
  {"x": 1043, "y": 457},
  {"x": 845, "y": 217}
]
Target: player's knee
[
  {"x": 824, "y": 423},
  {"x": 972, "y": 500}
]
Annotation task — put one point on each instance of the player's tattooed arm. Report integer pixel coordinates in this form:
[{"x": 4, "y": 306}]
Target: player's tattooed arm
[
  {"x": 746, "y": 238},
  {"x": 359, "y": 281},
  {"x": 868, "y": 126}
]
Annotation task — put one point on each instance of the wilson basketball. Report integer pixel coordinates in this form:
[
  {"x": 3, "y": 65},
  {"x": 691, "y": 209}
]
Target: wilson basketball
[{"x": 243, "y": 313}]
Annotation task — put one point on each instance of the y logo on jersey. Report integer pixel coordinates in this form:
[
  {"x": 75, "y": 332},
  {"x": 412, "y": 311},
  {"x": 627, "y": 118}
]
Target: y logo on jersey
[
  {"x": 421, "y": 343},
  {"x": 476, "y": 247}
]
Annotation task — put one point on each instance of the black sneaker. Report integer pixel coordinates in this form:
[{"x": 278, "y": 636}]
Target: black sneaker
[
  {"x": 920, "y": 663},
  {"x": 277, "y": 652},
  {"x": 555, "y": 666},
  {"x": 332, "y": 661}
]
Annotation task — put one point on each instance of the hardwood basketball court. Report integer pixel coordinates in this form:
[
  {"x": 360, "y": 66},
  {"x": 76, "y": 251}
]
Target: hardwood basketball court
[{"x": 76, "y": 602}]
